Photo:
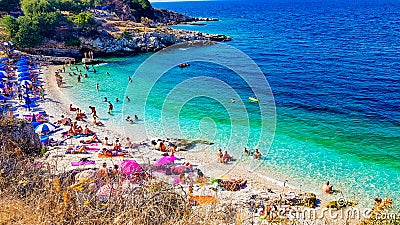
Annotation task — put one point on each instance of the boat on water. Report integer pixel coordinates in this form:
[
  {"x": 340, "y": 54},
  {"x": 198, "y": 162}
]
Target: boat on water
[
  {"x": 183, "y": 65},
  {"x": 253, "y": 99}
]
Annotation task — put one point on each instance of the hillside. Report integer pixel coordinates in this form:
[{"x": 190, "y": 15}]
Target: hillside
[{"x": 70, "y": 27}]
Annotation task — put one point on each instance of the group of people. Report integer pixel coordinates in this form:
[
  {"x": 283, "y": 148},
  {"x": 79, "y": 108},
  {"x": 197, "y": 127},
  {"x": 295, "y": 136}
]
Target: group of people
[
  {"x": 256, "y": 154},
  {"x": 224, "y": 157}
]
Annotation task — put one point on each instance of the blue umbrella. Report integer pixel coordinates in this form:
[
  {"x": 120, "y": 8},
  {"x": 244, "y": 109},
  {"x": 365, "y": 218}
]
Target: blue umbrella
[
  {"x": 25, "y": 82},
  {"x": 31, "y": 105},
  {"x": 24, "y": 74},
  {"x": 35, "y": 124},
  {"x": 3, "y": 59},
  {"x": 2, "y": 69},
  {"x": 22, "y": 69},
  {"x": 22, "y": 63},
  {"x": 2, "y": 85},
  {"x": 104, "y": 8},
  {"x": 24, "y": 78},
  {"x": 45, "y": 127},
  {"x": 2, "y": 98}
]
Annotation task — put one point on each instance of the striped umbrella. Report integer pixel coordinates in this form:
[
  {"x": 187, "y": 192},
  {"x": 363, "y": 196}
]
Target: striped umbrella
[
  {"x": 25, "y": 82},
  {"x": 45, "y": 127}
]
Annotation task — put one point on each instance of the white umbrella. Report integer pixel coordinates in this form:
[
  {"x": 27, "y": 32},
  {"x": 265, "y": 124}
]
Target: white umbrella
[
  {"x": 45, "y": 127},
  {"x": 25, "y": 82}
]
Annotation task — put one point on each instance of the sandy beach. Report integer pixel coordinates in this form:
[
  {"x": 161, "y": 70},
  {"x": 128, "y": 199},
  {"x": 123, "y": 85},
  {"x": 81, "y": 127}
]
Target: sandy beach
[{"x": 201, "y": 156}]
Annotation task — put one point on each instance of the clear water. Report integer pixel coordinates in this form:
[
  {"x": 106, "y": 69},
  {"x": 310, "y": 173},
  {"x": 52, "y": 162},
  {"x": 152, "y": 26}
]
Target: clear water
[{"x": 333, "y": 68}]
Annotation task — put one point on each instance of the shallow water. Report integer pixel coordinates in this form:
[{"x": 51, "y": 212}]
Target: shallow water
[{"x": 333, "y": 69}]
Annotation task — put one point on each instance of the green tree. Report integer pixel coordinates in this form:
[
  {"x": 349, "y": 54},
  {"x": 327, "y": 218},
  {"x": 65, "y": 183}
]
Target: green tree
[
  {"x": 27, "y": 35},
  {"x": 72, "y": 5},
  {"x": 37, "y": 7},
  {"x": 84, "y": 20},
  {"x": 10, "y": 26}
]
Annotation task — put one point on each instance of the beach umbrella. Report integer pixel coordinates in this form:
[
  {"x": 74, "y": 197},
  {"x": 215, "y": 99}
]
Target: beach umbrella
[
  {"x": 23, "y": 74},
  {"x": 104, "y": 8},
  {"x": 2, "y": 69},
  {"x": 2, "y": 98},
  {"x": 24, "y": 78},
  {"x": 128, "y": 167},
  {"x": 2, "y": 86},
  {"x": 25, "y": 82},
  {"x": 35, "y": 124},
  {"x": 3, "y": 59},
  {"x": 45, "y": 127},
  {"x": 21, "y": 63},
  {"x": 165, "y": 160},
  {"x": 4, "y": 73},
  {"x": 22, "y": 69}
]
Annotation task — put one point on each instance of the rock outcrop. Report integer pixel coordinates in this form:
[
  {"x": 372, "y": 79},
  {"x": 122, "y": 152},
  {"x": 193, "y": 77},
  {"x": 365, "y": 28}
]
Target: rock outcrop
[
  {"x": 106, "y": 44},
  {"x": 18, "y": 138}
]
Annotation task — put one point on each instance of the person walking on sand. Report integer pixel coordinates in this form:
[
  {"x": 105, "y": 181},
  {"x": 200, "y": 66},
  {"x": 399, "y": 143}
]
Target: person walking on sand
[
  {"x": 93, "y": 109},
  {"x": 110, "y": 107}
]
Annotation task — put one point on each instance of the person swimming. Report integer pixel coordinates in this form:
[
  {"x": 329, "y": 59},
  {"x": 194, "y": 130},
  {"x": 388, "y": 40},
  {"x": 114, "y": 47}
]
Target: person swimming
[
  {"x": 129, "y": 119},
  {"x": 105, "y": 99}
]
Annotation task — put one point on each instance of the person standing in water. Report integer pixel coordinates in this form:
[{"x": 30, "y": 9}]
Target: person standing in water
[
  {"x": 130, "y": 79},
  {"x": 110, "y": 107},
  {"x": 97, "y": 86}
]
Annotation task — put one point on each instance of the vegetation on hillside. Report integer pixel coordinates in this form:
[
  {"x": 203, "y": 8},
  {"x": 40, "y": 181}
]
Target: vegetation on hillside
[{"x": 36, "y": 20}]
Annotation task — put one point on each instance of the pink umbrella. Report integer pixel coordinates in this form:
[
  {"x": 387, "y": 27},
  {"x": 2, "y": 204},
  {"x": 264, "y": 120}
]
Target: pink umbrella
[
  {"x": 165, "y": 160},
  {"x": 128, "y": 167}
]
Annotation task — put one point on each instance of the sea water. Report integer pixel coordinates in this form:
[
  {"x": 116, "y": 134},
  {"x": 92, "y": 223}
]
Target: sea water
[{"x": 332, "y": 66}]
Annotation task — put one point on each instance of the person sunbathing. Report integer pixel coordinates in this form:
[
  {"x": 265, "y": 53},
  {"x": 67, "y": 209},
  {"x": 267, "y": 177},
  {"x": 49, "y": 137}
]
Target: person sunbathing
[
  {"x": 80, "y": 150},
  {"x": 109, "y": 152},
  {"x": 98, "y": 123},
  {"x": 71, "y": 131},
  {"x": 87, "y": 131},
  {"x": 72, "y": 108},
  {"x": 64, "y": 121},
  {"x": 227, "y": 157},
  {"x": 117, "y": 145},
  {"x": 94, "y": 139}
]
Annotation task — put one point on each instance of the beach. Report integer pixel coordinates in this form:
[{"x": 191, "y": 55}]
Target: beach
[{"x": 57, "y": 104}]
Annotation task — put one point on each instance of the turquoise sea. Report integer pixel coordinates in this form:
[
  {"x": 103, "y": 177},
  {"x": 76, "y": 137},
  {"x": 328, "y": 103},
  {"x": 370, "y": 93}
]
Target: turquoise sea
[{"x": 334, "y": 71}]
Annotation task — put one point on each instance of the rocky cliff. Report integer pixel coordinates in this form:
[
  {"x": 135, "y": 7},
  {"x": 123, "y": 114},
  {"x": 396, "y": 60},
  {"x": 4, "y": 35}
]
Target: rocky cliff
[{"x": 18, "y": 138}]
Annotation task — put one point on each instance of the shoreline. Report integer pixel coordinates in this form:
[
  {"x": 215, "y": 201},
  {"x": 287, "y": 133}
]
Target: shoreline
[{"x": 258, "y": 182}]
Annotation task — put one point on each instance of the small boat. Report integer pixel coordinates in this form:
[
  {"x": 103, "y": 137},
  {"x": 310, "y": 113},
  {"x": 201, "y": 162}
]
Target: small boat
[
  {"x": 183, "y": 65},
  {"x": 253, "y": 99}
]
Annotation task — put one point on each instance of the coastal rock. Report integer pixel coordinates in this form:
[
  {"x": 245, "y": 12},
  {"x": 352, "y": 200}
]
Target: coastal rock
[
  {"x": 18, "y": 134},
  {"x": 106, "y": 44}
]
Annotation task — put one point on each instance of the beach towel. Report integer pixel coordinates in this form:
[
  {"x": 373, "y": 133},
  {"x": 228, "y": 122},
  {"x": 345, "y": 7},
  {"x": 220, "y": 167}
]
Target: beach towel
[
  {"x": 82, "y": 163},
  {"x": 204, "y": 200},
  {"x": 110, "y": 156}
]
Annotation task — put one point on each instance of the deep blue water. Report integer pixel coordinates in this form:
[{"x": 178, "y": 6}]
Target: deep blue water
[{"x": 332, "y": 66}]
